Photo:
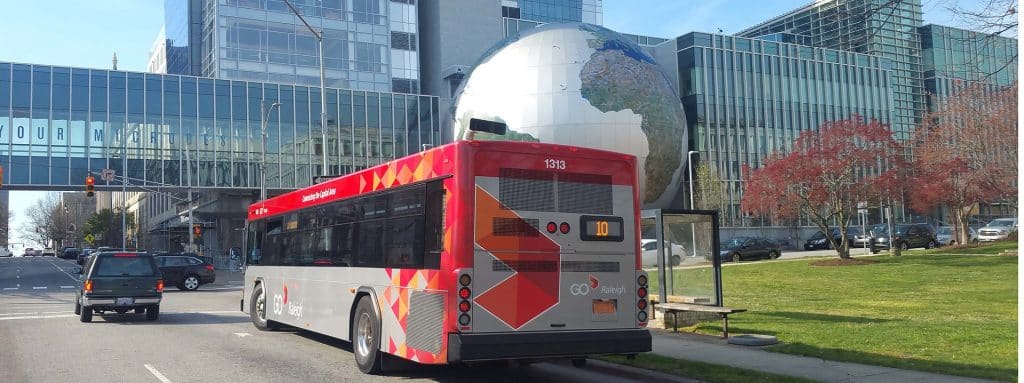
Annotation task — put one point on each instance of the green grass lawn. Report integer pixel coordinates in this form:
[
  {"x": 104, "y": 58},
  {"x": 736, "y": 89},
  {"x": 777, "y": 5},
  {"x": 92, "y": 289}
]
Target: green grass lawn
[{"x": 926, "y": 310}]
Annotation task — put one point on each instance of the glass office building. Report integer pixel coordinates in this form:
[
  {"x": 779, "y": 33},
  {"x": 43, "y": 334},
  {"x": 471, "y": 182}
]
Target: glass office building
[
  {"x": 58, "y": 123},
  {"x": 953, "y": 54},
  {"x": 885, "y": 29},
  {"x": 746, "y": 98},
  {"x": 367, "y": 44}
]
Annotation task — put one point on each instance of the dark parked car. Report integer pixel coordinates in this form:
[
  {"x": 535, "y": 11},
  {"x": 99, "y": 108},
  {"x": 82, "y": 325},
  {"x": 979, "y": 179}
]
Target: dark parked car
[
  {"x": 818, "y": 240},
  {"x": 70, "y": 253},
  {"x": 83, "y": 254},
  {"x": 740, "y": 248},
  {"x": 185, "y": 270},
  {"x": 119, "y": 281},
  {"x": 907, "y": 235}
]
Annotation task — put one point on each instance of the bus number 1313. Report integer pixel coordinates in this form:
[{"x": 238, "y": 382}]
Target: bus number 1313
[{"x": 554, "y": 164}]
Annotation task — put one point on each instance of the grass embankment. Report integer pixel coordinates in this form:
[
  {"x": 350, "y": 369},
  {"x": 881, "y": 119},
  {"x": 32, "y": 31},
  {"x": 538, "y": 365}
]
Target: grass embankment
[{"x": 934, "y": 310}]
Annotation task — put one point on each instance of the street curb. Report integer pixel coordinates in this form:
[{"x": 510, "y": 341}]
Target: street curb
[{"x": 641, "y": 374}]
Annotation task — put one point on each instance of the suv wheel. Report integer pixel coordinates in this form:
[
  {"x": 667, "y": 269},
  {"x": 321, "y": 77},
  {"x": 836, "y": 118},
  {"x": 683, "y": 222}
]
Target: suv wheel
[
  {"x": 931, "y": 244},
  {"x": 903, "y": 246},
  {"x": 773, "y": 254},
  {"x": 85, "y": 314},
  {"x": 737, "y": 258},
  {"x": 78, "y": 306},
  {"x": 190, "y": 283},
  {"x": 153, "y": 312}
]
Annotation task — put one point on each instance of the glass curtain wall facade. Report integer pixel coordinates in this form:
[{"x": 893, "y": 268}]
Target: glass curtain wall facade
[
  {"x": 953, "y": 54},
  {"x": 182, "y": 24},
  {"x": 368, "y": 45},
  {"x": 746, "y": 98},
  {"x": 879, "y": 28},
  {"x": 58, "y": 123}
]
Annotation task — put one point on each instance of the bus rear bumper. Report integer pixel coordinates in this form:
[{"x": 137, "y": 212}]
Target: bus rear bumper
[{"x": 473, "y": 347}]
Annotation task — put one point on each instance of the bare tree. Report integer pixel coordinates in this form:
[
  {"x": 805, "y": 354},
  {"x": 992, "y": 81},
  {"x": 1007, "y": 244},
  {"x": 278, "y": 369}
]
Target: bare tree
[
  {"x": 39, "y": 223},
  {"x": 993, "y": 17}
]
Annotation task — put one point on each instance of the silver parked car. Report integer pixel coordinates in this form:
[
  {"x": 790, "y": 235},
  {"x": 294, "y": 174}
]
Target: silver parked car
[
  {"x": 947, "y": 237},
  {"x": 999, "y": 228}
]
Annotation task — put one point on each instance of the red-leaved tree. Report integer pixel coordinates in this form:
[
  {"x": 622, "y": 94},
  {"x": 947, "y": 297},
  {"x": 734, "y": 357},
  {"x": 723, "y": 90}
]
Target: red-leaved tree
[
  {"x": 825, "y": 174},
  {"x": 966, "y": 152}
]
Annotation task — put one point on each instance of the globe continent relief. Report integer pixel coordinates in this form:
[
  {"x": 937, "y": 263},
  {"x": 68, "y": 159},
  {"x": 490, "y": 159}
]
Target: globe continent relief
[{"x": 582, "y": 85}]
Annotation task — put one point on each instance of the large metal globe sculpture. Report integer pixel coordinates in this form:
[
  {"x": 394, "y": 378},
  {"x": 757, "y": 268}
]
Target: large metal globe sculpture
[{"x": 581, "y": 85}]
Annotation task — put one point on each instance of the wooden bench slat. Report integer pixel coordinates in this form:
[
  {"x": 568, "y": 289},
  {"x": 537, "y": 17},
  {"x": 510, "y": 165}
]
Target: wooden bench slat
[{"x": 691, "y": 307}]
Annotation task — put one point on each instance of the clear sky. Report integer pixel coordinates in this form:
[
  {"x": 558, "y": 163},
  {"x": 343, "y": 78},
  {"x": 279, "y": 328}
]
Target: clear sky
[{"x": 87, "y": 33}]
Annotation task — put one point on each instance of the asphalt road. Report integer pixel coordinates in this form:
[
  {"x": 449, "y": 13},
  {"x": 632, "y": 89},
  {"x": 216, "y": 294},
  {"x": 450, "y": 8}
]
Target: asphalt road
[{"x": 200, "y": 337}]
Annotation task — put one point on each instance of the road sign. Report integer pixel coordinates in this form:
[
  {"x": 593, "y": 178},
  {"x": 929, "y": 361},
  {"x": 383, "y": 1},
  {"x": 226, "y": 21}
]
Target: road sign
[
  {"x": 107, "y": 175},
  {"x": 89, "y": 238}
]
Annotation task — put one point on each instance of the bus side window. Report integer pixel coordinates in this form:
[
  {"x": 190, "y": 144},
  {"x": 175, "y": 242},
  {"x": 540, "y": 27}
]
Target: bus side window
[
  {"x": 433, "y": 227},
  {"x": 341, "y": 245},
  {"x": 254, "y": 242},
  {"x": 370, "y": 244}
]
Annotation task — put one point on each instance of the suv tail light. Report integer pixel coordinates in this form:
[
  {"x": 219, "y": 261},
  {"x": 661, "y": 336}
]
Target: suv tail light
[
  {"x": 210, "y": 267},
  {"x": 87, "y": 286},
  {"x": 159, "y": 285}
]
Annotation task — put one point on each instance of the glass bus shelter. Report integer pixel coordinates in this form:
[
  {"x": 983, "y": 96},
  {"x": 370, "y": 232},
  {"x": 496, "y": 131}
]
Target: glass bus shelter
[{"x": 678, "y": 250}]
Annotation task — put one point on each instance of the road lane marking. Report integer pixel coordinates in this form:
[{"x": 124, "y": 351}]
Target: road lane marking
[
  {"x": 39, "y": 288},
  {"x": 157, "y": 374},
  {"x": 242, "y": 334},
  {"x": 67, "y": 287},
  {"x": 73, "y": 278},
  {"x": 36, "y": 313},
  {"x": 10, "y": 288},
  {"x": 38, "y": 317}
]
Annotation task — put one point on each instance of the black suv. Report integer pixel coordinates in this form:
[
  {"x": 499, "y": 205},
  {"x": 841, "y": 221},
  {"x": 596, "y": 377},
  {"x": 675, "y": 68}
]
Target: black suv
[
  {"x": 818, "y": 240},
  {"x": 185, "y": 270},
  {"x": 907, "y": 235},
  {"x": 119, "y": 281}
]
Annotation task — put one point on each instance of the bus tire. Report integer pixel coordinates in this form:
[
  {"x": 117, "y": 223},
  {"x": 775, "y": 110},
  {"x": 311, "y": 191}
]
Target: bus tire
[
  {"x": 258, "y": 310},
  {"x": 366, "y": 337}
]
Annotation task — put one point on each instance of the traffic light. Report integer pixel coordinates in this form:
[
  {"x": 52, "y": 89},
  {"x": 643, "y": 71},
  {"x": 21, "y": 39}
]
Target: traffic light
[
  {"x": 197, "y": 230},
  {"x": 90, "y": 186}
]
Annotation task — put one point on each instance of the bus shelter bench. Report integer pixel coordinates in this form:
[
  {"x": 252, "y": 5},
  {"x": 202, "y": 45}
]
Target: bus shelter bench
[{"x": 676, "y": 308}]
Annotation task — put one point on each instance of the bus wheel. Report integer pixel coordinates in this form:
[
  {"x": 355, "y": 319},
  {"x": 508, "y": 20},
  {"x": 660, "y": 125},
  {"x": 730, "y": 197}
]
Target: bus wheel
[
  {"x": 579, "y": 362},
  {"x": 258, "y": 310},
  {"x": 366, "y": 337}
]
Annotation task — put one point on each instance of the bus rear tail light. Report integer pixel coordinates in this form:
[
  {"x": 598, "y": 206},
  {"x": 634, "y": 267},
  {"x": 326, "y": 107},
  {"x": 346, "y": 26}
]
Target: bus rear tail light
[
  {"x": 552, "y": 227},
  {"x": 641, "y": 303},
  {"x": 464, "y": 296},
  {"x": 87, "y": 286},
  {"x": 159, "y": 285},
  {"x": 564, "y": 228}
]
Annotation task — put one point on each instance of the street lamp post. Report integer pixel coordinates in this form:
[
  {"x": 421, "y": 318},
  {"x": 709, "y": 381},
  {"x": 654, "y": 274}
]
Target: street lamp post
[
  {"x": 693, "y": 230},
  {"x": 323, "y": 91},
  {"x": 689, "y": 165},
  {"x": 265, "y": 114}
]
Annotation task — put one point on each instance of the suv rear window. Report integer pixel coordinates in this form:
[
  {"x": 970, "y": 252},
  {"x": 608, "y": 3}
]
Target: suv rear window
[{"x": 125, "y": 267}]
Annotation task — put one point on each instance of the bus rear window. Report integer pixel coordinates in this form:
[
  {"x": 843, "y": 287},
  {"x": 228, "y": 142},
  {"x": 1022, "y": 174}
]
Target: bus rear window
[{"x": 125, "y": 267}]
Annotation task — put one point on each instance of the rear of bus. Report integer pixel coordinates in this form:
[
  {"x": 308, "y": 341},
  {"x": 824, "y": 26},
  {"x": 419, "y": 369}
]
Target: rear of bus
[{"x": 552, "y": 270}]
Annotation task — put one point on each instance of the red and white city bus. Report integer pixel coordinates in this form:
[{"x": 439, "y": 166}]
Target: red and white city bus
[{"x": 472, "y": 251}]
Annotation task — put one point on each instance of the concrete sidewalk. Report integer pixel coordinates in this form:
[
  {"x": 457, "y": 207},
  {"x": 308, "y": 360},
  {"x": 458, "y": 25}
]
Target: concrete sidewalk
[{"x": 708, "y": 349}]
